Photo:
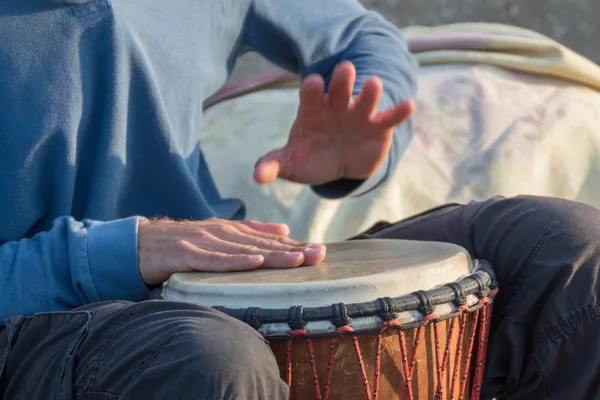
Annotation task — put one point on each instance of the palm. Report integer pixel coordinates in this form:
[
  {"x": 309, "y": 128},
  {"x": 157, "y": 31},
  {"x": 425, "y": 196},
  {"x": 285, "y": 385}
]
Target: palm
[
  {"x": 323, "y": 147},
  {"x": 334, "y": 136}
]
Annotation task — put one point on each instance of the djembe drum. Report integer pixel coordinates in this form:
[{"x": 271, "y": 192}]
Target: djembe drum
[{"x": 379, "y": 319}]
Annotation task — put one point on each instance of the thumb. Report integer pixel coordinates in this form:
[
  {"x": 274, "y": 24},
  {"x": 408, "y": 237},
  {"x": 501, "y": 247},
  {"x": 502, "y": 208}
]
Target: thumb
[{"x": 267, "y": 168}]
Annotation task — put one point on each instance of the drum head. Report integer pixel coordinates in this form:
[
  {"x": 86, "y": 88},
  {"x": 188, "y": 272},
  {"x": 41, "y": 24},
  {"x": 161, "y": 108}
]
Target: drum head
[{"x": 353, "y": 272}]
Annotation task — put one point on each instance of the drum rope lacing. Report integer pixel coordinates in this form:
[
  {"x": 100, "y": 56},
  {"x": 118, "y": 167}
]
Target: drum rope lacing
[
  {"x": 482, "y": 317},
  {"x": 480, "y": 283}
]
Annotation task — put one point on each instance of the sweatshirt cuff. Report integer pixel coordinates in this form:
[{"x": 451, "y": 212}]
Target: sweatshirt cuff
[
  {"x": 353, "y": 187},
  {"x": 113, "y": 260}
]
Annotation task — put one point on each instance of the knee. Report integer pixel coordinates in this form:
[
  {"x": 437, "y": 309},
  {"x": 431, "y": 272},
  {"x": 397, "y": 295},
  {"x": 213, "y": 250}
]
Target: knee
[
  {"x": 521, "y": 236},
  {"x": 522, "y": 222},
  {"x": 547, "y": 212},
  {"x": 223, "y": 346},
  {"x": 207, "y": 354},
  {"x": 544, "y": 250}
]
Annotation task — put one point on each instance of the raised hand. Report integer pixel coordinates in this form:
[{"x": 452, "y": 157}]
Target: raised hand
[{"x": 335, "y": 136}]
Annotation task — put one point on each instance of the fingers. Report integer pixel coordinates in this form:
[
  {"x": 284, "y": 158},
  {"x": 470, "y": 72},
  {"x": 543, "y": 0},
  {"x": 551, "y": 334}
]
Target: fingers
[
  {"x": 311, "y": 254},
  {"x": 265, "y": 242},
  {"x": 241, "y": 234},
  {"x": 341, "y": 86},
  {"x": 166, "y": 247},
  {"x": 366, "y": 103},
  {"x": 339, "y": 100},
  {"x": 267, "y": 167},
  {"x": 274, "y": 229},
  {"x": 280, "y": 239},
  {"x": 211, "y": 253},
  {"x": 198, "y": 259},
  {"x": 272, "y": 258},
  {"x": 238, "y": 238},
  {"x": 368, "y": 99},
  {"x": 393, "y": 116},
  {"x": 311, "y": 95}
]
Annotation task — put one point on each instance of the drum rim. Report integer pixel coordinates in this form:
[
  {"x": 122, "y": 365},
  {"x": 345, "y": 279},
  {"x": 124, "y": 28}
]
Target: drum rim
[{"x": 481, "y": 282}]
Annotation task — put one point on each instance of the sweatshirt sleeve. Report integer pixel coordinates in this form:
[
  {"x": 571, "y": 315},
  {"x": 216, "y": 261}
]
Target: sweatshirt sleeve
[
  {"x": 313, "y": 36},
  {"x": 74, "y": 263}
]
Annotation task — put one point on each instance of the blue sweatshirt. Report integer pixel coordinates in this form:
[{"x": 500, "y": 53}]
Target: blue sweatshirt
[{"x": 100, "y": 114}]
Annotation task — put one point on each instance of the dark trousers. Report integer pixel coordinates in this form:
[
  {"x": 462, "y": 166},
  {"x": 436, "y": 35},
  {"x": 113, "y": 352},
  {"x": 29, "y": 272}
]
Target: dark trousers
[{"x": 543, "y": 343}]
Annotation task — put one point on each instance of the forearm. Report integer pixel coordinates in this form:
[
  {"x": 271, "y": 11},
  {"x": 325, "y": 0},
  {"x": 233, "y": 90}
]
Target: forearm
[
  {"x": 313, "y": 36},
  {"x": 294, "y": 36}
]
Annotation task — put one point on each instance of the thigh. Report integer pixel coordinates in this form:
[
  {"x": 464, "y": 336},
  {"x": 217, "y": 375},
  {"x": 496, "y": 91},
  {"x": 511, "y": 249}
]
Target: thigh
[
  {"x": 152, "y": 349},
  {"x": 39, "y": 353},
  {"x": 164, "y": 349},
  {"x": 546, "y": 256}
]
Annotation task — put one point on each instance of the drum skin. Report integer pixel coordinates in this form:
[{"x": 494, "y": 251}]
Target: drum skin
[{"x": 352, "y": 272}]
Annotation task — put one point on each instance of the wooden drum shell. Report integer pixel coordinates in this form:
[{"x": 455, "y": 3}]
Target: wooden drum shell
[{"x": 346, "y": 377}]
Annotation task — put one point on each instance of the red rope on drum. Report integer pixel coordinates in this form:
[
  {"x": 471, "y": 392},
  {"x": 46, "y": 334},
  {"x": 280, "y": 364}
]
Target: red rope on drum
[
  {"x": 436, "y": 338},
  {"x": 409, "y": 367},
  {"x": 361, "y": 365},
  {"x": 288, "y": 356},
  {"x": 482, "y": 348},
  {"x": 313, "y": 366},
  {"x": 377, "y": 368},
  {"x": 445, "y": 359},
  {"x": 461, "y": 336},
  {"x": 329, "y": 369},
  {"x": 469, "y": 354},
  {"x": 481, "y": 320},
  {"x": 405, "y": 365},
  {"x": 489, "y": 309},
  {"x": 477, "y": 377}
]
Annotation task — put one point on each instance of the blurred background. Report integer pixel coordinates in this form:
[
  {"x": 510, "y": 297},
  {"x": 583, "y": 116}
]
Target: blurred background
[
  {"x": 574, "y": 23},
  {"x": 490, "y": 120}
]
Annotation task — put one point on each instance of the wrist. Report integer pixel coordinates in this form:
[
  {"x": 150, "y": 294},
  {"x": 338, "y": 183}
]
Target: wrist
[{"x": 155, "y": 268}]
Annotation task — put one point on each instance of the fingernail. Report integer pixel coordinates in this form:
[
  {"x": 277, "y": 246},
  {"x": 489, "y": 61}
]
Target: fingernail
[
  {"x": 313, "y": 251},
  {"x": 255, "y": 258},
  {"x": 294, "y": 255}
]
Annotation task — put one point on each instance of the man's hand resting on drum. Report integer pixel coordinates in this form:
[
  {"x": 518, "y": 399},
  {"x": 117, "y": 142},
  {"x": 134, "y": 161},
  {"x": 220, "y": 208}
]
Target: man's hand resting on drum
[
  {"x": 334, "y": 136},
  {"x": 166, "y": 247}
]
